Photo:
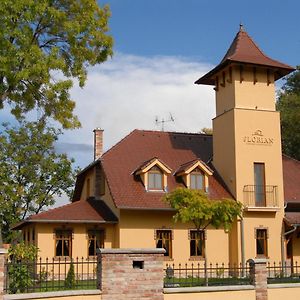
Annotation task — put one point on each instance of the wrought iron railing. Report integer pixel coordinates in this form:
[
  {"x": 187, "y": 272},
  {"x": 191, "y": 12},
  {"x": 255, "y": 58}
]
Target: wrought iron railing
[
  {"x": 260, "y": 196},
  {"x": 200, "y": 274},
  {"x": 283, "y": 273},
  {"x": 50, "y": 275}
]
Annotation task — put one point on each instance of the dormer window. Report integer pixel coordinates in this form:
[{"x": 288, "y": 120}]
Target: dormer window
[
  {"x": 155, "y": 179},
  {"x": 153, "y": 174},
  {"x": 197, "y": 180},
  {"x": 195, "y": 175}
]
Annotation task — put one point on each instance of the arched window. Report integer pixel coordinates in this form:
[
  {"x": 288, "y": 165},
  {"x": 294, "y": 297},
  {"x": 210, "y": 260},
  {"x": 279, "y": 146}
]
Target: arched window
[
  {"x": 197, "y": 179},
  {"x": 155, "y": 179}
]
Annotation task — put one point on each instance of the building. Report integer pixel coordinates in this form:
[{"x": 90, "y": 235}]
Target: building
[{"x": 118, "y": 199}]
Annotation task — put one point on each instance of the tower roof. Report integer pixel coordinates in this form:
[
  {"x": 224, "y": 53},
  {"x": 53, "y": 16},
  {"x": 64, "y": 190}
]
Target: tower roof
[{"x": 244, "y": 50}]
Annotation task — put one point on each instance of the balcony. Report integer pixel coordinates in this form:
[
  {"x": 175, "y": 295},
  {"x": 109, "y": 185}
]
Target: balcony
[{"x": 261, "y": 198}]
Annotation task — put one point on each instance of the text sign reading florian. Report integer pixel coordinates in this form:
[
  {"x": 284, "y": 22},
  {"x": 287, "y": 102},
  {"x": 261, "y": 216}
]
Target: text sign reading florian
[{"x": 257, "y": 138}]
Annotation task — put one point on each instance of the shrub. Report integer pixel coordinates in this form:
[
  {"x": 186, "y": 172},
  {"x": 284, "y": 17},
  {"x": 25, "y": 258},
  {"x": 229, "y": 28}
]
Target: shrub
[{"x": 70, "y": 279}]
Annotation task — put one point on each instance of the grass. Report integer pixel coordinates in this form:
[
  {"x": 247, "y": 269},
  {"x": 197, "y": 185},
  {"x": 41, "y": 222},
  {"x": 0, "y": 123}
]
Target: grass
[
  {"x": 196, "y": 281},
  {"x": 59, "y": 285}
]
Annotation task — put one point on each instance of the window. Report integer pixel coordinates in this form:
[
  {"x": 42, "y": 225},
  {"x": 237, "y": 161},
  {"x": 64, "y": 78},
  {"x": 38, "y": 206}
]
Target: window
[
  {"x": 88, "y": 188},
  {"x": 33, "y": 236},
  {"x": 95, "y": 241},
  {"x": 24, "y": 236},
  {"x": 197, "y": 240},
  {"x": 261, "y": 242},
  {"x": 164, "y": 240},
  {"x": 63, "y": 243},
  {"x": 197, "y": 180},
  {"x": 155, "y": 179},
  {"x": 259, "y": 184}
]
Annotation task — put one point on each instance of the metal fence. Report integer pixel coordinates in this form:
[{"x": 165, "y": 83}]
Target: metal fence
[
  {"x": 283, "y": 273},
  {"x": 201, "y": 274},
  {"x": 50, "y": 275}
]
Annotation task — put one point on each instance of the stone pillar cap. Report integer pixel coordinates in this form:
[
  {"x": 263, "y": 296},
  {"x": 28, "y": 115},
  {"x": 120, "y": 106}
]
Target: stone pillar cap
[
  {"x": 257, "y": 261},
  {"x": 131, "y": 251}
]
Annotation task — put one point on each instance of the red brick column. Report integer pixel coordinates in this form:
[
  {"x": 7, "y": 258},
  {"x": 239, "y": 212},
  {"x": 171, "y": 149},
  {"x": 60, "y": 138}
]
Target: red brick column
[
  {"x": 131, "y": 273},
  {"x": 259, "y": 276},
  {"x": 2, "y": 271}
]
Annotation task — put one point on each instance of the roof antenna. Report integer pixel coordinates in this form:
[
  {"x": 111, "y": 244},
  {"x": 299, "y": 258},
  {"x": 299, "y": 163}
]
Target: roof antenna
[{"x": 163, "y": 121}]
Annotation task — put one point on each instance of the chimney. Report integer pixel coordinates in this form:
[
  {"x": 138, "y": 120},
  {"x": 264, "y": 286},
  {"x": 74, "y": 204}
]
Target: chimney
[{"x": 98, "y": 143}]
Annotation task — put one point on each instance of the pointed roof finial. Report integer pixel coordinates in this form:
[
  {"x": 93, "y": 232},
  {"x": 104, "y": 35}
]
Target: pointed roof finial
[{"x": 242, "y": 27}]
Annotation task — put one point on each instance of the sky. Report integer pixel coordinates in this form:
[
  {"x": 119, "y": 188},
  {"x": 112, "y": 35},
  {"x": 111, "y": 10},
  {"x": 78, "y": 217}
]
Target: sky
[{"x": 160, "y": 48}]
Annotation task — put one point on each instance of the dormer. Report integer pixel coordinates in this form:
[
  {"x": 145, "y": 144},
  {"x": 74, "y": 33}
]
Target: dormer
[
  {"x": 153, "y": 174},
  {"x": 195, "y": 175}
]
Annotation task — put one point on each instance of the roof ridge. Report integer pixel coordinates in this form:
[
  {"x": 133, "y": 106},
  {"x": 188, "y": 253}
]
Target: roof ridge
[
  {"x": 173, "y": 132},
  {"x": 52, "y": 209}
]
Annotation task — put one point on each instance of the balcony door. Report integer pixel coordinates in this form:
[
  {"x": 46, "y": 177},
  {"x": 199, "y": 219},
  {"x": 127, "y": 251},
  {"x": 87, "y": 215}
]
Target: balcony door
[{"x": 259, "y": 184}]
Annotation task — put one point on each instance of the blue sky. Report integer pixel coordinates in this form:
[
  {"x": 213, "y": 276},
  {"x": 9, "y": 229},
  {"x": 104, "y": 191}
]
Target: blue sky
[{"x": 203, "y": 29}]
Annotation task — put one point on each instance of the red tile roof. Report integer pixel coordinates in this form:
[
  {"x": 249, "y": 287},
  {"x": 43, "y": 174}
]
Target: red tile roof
[
  {"x": 292, "y": 218},
  {"x": 89, "y": 211},
  {"x": 291, "y": 179},
  {"x": 174, "y": 149},
  {"x": 244, "y": 50}
]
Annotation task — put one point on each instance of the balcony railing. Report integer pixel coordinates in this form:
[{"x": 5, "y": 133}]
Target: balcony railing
[{"x": 260, "y": 196}]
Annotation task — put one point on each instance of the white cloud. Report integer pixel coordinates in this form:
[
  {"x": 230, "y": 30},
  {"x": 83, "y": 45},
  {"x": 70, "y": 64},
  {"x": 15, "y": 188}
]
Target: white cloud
[{"x": 128, "y": 92}]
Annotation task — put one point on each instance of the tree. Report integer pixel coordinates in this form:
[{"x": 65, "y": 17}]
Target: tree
[
  {"x": 21, "y": 268},
  {"x": 31, "y": 172},
  {"x": 207, "y": 130},
  {"x": 195, "y": 206},
  {"x": 43, "y": 46},
  {"x": 289, "y": 106}
]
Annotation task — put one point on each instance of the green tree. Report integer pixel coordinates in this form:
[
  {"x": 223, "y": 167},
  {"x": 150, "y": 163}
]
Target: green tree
[
  {"x": 31, "y": 172},
  {"x": 289, "y": 106},
  {"x": 194, "y": 206},
  {"x": 43, "y": 46},
  {"x": 21, "y": 268}
]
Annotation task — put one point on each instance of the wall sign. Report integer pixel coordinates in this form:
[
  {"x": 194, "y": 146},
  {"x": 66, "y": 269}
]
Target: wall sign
[{"x": 258, "y": 138}]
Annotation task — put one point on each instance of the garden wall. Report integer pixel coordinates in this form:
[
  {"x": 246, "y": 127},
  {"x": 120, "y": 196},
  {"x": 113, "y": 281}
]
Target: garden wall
[{"x": 62, "y": 295}]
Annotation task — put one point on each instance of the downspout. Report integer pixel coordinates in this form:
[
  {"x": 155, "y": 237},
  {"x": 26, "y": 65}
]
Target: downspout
[
  {"x": 283, "y": 235},
  {"x": 243, "y": 247}
]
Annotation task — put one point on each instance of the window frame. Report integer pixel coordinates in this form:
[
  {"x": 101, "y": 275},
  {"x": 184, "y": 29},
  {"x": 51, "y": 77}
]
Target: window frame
[
  {"x": 95, "y": 232},
  {"x": 197, "y": 172},
  {"x": 164, "y": 240},
  {"x": 197, "y": 240},
  {"x": 68, "y": 237},
  {"x": 155, "y": 170},
  {"x": 264, "y": 238},
  {"x": 259, "y": 169}
]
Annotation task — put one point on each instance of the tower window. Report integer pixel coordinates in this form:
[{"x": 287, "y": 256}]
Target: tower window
[
  {"x": 259, "y": 184},
  {"x": 261, "y": 242}
]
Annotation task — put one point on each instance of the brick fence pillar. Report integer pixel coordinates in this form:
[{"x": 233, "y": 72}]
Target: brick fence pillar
[
  {"x": 2, "y": 271},
  {"x": 259, "y": 277},
  {"x": 131, "y": 273}
]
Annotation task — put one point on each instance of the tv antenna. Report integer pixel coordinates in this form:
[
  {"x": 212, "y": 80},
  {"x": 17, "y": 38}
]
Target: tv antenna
[{"x": 163, "y": 121}]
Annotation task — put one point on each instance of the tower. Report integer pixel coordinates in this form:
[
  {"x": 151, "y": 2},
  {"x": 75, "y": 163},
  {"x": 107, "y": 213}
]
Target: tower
[{"x": 247, "y": 145}]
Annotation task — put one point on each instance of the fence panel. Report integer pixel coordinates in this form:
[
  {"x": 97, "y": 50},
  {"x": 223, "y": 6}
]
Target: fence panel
[
  {"x": 50, "y": 275},
  {"x": 198, "y": 274}
]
